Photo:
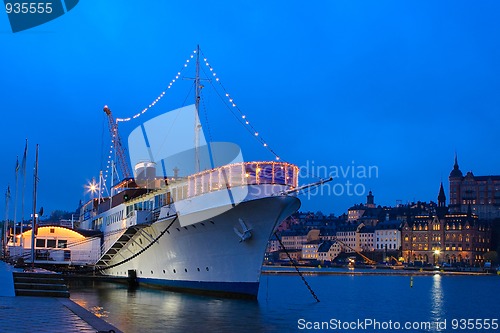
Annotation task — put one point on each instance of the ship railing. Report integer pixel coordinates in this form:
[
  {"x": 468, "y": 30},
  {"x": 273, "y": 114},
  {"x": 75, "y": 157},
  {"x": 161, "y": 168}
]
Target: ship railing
[{"x": 234, "y": 175}]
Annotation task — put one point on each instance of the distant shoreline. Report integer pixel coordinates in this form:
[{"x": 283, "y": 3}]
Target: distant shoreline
[{"x": 274, "y": 270}]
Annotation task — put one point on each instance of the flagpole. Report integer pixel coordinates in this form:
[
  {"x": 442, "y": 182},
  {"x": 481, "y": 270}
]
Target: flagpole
[
  {"x": 23, "y": 168},
  {"x": 6, "y": 223},
  {"x": 33, "y": 223},
  {"x": 15, "y": 201}
]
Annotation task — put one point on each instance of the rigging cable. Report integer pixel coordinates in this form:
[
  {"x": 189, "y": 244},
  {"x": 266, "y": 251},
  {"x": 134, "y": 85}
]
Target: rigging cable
[{"x": 296, "y": 268}]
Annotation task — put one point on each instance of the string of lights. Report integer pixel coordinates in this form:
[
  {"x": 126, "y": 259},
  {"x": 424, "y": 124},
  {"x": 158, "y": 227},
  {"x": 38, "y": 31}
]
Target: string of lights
[
  {"x": 160, "y": 96},
  {"x": 243, "y": 119}
]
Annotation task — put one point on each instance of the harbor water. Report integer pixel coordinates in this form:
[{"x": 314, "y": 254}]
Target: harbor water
[{"x": 348, "y": 303}]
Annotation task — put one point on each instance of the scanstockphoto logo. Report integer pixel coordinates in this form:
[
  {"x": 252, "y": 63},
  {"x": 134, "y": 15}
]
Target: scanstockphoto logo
[
  {"x": 347, "y": 180},
  {"x": 25, "y": 15}
]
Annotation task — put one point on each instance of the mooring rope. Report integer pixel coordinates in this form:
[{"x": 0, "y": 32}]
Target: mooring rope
[{"x": 296, "y": 268}]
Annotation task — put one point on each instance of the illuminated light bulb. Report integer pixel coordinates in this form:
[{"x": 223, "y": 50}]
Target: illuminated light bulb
[
  {"x": 177, "y": 76},
  {"x": 247, "y": 122},
  {"x": 256, "y": 133},
  {"x": 211, "y": 69},
  {"x": 205, "y": 59},
  {"x": 185, "y": 65},
  {"x": 265, "y": 144},
  {"x": 192, "y": 55},
  {"x": 243, "y": 116},
  {"x": 187, "y": 60},
  {"x": 168, "y": 87},
  {"x": 227, "y": 95},
  {"x": 215, "y": 74},
  {"x": 234, "y": 105},
  {"x": 231, "y": 100},
  {"x": 217, "y": 79},
  {"x": 277, "y": 158},
  {"x": 178, "y": 73}
]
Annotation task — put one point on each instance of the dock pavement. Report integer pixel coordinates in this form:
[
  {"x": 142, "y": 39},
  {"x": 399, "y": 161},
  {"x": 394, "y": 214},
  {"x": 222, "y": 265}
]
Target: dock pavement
[{"x": 29, "y": 314}]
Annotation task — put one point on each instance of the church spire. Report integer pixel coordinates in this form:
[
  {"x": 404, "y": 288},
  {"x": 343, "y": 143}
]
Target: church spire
[
  {"x": 456, "y": 173},
  {"x": 441, "y": 197}
]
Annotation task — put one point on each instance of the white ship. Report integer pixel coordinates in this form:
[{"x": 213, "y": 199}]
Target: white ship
[{"x": 195, "y": 216}]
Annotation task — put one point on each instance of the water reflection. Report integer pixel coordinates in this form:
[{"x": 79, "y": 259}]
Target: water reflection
[
  {"x": 437, "y": 299},
  {"x": 159, "y": 311}
]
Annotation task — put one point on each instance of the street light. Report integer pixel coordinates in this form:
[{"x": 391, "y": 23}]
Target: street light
[{"x": 436, "y": 258}]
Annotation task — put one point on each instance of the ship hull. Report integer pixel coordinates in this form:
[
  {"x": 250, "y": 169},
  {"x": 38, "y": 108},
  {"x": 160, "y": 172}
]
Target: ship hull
[{"x": 210, "y": 256}]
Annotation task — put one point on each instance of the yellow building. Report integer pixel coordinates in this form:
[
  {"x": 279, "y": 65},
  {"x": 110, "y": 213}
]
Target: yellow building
[{"x": 58, "y": 245}]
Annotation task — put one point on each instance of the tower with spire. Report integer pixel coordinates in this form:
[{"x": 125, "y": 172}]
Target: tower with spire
[
  {"x": 455, "y": 179},
  {"x": 370, "y": 200},
  {"x": 441, "y": 209}
]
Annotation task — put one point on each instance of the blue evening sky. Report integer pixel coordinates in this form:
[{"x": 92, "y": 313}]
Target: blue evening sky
[{"x": 397, "y": 85}]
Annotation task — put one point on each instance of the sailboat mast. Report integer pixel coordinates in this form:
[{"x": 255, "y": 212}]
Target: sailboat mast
[
  {"x": 197, "y": 124},
  {"x": 33, "y": 222}
]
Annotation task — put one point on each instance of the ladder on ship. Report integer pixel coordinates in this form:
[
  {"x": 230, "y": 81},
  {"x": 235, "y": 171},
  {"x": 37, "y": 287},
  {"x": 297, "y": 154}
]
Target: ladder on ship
[{"x": 126, "y": 237}]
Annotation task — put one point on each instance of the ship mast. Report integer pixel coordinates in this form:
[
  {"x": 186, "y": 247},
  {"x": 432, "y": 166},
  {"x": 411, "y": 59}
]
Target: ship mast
[{"x": 197, "y": 124}]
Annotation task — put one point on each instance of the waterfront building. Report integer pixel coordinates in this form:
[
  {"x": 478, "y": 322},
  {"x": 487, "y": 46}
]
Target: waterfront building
[
  {"x": 293, "y": 239},
  {"x": 328, "y": 233},
  {"x": 446, "y": 237},
  {"x": 273, "y": 245},
  {"x": 349, "y": 237},
  {"x": 481, "y": 193},
  {"x": 388, "y": 235},
  {"x": 329, "y": 250},
  {"x": 58, "y": 245},
  {"x": 366, "y": 238},
  {"x": 310, "y": 249}
]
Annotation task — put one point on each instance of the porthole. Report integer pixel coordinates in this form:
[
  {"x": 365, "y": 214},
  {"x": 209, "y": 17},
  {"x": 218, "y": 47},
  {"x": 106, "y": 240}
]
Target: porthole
[
  {"x": 185, "y": 270},
  {"x": 140, "y": 240},
  {"x": 163, "y": 271},
  {"x": 151, "y": 272},
  {"x": 174, "y": 271},
  {"x": 198, "y": 269},
  {"x": 207, "y": 269},
  {"x": 140, "y": 272}
]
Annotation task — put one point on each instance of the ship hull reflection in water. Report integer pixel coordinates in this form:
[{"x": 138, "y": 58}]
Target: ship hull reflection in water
[{"x": 283, "y": 300}]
